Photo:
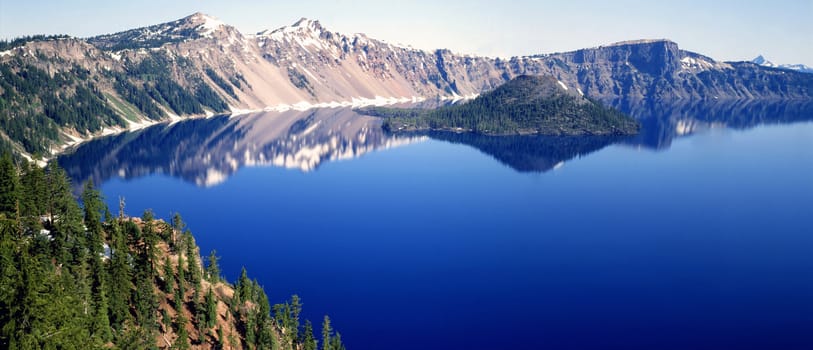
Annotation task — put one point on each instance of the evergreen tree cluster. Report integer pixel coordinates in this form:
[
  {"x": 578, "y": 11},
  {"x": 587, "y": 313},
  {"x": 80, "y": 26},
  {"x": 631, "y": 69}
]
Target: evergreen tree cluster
[
  {"x": 42, "y": 95},
  {"x": 138, "y": 97},
  {"x": 220, "y": 82},
  {"x": 34, "y": 104},
  {"x": 78, "y": 277},
  {"x": 10, "y": 44},
  {"x": 524, "y": 105},
  {"x": 161, "y": 86}
]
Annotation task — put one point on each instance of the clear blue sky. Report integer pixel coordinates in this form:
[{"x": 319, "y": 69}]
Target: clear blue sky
[{"x": 782, "y": 30}]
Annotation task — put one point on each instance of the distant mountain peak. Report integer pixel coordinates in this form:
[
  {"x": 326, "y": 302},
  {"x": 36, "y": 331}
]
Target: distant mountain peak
[
  {"x": 307, "y": 23},
  {"x": 195, "y": 26},
  {"x": 762, "y": 61},
  {"x": 208, "y": 22},
  {"x": 303, "y": 27}
]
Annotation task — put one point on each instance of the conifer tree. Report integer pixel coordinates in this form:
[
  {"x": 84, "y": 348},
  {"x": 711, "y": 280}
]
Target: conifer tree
[
  {"x": 244, "y": 286},
  {"x": 326, "y": 333},
  {"x": 169, "y": 275},
  {"x": 33, "y": 196},
  {"x": 211, "y": 309},
  {"x": 69, "y": 244},
  {"x": 9, "y": 186},
  {"x": 265, "y": 340},
  {"x": 93, "y": 206},
  {"x": 182, "y": 343},
  {"x": 336, "y": 342},
  {"x": 178, "y": 226},
  {"x": 101, "y": 322},
  {"x": 213, "y": 270},
  {"x": 149, "y": 239},
  {"x": 181, "y": 280},
  {"x": 200, "y": 322},
  {"x": 194, "y": 275},
  {"x": 307, "y": 340}
]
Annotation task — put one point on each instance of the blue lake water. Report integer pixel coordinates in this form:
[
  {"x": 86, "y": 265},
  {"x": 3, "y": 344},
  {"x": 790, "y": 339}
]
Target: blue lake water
[{"x": 696, "y": 234}]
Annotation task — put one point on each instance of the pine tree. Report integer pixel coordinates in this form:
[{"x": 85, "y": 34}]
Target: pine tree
[
  {"x": 213, "y": 270},
  {"x": 211, "y": 309},
  {"x": 101, "y": 322},
  {"x": 144, "y": 301},
  {"x": 9, "y": 186},
  {"x": 149, "y": 238},
  {"x": 200, "y": 322},
  {"x": 251, "y": 329},
  {"x": 265, "y": 340},
  {"x": 69, "y": 243},
  {"x": 166, "y": 320},
  {"x": 326, "y": 333},
  {"x": 181, "y": 280},
  {"x": 192, "y": 265},
  {"x": 293, "y": 325},
  {"x": 244, "y": 286},
  {"x": 221, "y": 343},
  {"x": 9, "y": 275},
  {"x": 307, "y": 340},
  {"x": 169, "y": 275},
  {"x": 93, "y": 207},
  {"x": 33, "y": 196},
  {"x": 336, "y": 342},
  {"x": 119, "y": 272},
  {"x": 178, "y": 227},
  {"x": 182, "y": 342}
]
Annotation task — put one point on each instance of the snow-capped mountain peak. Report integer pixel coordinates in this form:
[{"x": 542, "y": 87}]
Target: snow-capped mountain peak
[
  {"x": 195, "y": 26},
  {"x": 302, "y": 28},
  {"x": 762, "y": 61},
  {"x": 308, "y": 24},
  {"x": 205, "y": 24}
]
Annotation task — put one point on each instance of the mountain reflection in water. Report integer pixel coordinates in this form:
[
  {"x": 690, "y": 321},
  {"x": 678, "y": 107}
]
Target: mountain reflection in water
[{"x": 207, "y": 151}]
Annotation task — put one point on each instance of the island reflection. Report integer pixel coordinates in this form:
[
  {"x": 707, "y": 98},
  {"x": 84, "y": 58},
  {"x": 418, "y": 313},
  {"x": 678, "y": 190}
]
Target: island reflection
[{"x": 206, "y": 152}]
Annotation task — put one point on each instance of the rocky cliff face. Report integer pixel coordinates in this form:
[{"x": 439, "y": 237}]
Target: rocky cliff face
[{"x": 198, "y": 65}]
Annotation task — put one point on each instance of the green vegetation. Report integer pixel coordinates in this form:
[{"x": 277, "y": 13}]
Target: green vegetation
[
  {"x": 524, "y": 105},
  {"x": 35, "y": 104},
  {"x": 220, "y": 82},
  {"x": 161, "y": 85},
  {"x": 10, "y": 44},
  {"x": 135, "y": 39},
  {"x": 138, "y": 97},
  {"x": 76, "y": 277},
  {"x": 41, "y": 97}
]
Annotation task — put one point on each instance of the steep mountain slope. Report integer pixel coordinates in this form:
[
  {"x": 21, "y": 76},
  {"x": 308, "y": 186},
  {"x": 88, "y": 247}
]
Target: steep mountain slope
[{"x": 199, "y": 65}]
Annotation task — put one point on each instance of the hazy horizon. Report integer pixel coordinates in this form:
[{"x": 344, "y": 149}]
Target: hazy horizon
[{"x": 725, "y": 31}]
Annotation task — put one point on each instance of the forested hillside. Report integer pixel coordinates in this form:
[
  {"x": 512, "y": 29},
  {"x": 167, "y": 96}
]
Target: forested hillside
[
  {"x": 47, "y": 100},
  {"x": 525, "y": 105},
  {"x": 78, "y": 277}
]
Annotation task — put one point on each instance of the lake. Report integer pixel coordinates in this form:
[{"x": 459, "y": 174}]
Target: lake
[{"x": 697, "y": 233}]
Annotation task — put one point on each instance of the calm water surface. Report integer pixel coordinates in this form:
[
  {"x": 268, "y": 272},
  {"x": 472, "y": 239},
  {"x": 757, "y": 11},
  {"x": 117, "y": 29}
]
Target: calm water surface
[{"x": 696, "y": 234}]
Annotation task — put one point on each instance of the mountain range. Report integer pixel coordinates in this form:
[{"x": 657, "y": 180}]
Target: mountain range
[
  {"x": 57, "y": 91},
  {"x": 762, "y": 61}
]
